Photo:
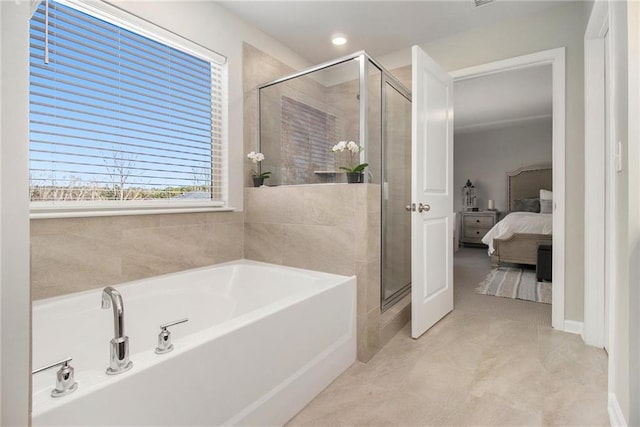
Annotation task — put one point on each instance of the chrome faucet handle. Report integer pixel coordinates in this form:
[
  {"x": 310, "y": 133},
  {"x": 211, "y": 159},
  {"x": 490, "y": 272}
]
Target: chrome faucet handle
[
  {"x": 65, "y": 382},
  {"x": 164, "y": 337}
]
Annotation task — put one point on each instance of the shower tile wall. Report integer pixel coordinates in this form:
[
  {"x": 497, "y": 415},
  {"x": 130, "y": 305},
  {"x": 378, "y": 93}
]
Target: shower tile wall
[
  {"x": 257, "y": 68},
  {"x": 347, "y": 94},
  {"x": 333, "y": 228},
  {"x": 76, "y": 254},
  {"x": 306, "y": 92}
]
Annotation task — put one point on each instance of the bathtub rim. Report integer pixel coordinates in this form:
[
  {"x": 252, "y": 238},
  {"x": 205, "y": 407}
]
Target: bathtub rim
[{"x": 239, "y": 261}]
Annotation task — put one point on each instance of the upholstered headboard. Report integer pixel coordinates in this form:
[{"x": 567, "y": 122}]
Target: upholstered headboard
[{"x": 525, "y": 183}]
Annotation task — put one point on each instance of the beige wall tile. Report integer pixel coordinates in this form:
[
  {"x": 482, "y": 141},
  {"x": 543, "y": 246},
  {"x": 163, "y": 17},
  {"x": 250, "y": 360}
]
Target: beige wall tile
[
  {"x": 362, "y": 272},
  {"x": 264, "y": 242},
  {"x": 373, "y": 284},
  {"x": 373, "y": 334},
  {"x": 329, "y": 204},
  {"x": 320, "y": 247},
  {"x": 76, "y": 254},
  {"x": 63, "y": 263},
  {"x": 224, "y": 217},
  {"x": 397, "y": 322},
  {"x": 279, "y": 205},
  {"x": 334, "y": 228},
  {"x": 363, "y": 353},
  {"x": 227, "y": 241},
  {"x": 165, "y": 249},
  {"x": 374, "y": 198}
]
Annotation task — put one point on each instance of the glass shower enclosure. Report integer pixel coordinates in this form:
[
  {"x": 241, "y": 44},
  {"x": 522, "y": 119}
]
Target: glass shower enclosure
[{"x": 353, "y": 98}]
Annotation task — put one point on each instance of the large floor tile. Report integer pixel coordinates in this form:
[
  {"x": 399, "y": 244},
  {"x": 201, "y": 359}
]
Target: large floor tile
[{"x": 491, "y": 361}]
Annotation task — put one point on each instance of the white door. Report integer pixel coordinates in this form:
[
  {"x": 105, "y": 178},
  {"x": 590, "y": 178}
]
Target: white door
[{"x": 432, "y": 193}]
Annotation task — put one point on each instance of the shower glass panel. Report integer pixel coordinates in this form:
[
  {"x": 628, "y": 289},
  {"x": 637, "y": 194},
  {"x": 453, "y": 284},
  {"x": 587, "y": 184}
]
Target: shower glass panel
[
  {"x": 396, "y": 194},
  {"x": 352, "y": 98},
  {"x": 302, "y": 118}
]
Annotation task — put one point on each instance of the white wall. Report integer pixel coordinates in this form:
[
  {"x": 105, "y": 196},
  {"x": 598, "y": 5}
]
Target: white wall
[
  {"x": 15, "y": 306},
  {"x": 624, "y": 381},
  {"x": 485, "y": 156},
  {"x": 634, "y": 211},
  {"x": 213, "y": 26},
  {"x": 555, "y": 27}
]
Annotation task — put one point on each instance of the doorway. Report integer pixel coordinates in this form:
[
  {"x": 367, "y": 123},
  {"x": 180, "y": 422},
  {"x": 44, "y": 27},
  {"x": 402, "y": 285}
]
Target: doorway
[{"x": 555, "y": 58}]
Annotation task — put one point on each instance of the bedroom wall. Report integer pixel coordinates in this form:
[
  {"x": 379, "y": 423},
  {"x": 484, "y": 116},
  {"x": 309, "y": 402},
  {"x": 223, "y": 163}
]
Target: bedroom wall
[
  {"x": 484, "y": 156},
  {"x": 561, "y": 26}
]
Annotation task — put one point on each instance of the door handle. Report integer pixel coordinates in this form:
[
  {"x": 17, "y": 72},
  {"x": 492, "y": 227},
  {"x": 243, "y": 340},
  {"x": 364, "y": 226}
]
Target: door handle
[
  {"x": 420, "y": 208},
  {"x": 423, "y": 207}
]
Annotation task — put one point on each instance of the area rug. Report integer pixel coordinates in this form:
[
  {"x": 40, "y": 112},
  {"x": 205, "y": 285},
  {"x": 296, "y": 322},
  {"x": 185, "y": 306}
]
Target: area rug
[{"x": 515, "y": 283}]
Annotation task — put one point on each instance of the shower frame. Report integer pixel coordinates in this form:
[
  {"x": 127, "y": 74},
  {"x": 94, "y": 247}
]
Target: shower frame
[{"x": 386, "y": 77}]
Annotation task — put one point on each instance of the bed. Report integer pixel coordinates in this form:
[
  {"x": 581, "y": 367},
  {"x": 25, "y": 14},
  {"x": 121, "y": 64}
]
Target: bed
[{"x": 515, "y": 238}]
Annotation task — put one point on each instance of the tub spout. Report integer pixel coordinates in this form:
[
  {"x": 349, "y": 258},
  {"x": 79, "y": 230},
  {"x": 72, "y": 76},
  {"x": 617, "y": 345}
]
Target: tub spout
[{"x": 119, "y": 359}]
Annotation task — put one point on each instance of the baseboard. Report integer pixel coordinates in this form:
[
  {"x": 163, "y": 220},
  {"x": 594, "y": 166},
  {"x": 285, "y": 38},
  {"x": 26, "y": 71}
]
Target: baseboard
[
  {"x": 616, "y": 418},
  {"x": 573, "y": 327}
]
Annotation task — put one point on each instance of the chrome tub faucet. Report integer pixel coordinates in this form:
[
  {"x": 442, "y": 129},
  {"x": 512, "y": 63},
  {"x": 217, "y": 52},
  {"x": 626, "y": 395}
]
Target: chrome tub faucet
[{"x": 119, "y": 359}]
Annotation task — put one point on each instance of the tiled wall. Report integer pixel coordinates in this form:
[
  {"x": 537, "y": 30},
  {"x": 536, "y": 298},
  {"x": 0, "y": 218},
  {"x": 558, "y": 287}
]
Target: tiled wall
[
  {"x": 76, "y": 254},
  {"x": 333, "y": 228},
  {"x": 257, "y": 68},
  {"x": 283, "y": 156}
]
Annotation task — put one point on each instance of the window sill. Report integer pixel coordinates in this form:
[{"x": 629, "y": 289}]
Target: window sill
[{"x": 48, "y": 210}]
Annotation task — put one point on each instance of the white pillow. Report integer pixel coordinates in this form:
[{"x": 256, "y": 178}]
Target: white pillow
[
  {"x": 546, "y": 195},
  {"x": 546, "y": 206}
]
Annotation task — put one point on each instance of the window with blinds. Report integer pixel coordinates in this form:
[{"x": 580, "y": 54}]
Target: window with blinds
[{"x": 115, "y": 115}]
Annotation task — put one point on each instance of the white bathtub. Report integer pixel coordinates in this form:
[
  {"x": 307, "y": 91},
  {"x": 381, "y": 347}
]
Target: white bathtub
[{"x": 261, "y": 341}]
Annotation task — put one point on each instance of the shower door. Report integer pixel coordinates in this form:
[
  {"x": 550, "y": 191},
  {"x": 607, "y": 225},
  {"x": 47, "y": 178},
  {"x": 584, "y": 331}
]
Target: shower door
[{"x": 396, "y": 194}]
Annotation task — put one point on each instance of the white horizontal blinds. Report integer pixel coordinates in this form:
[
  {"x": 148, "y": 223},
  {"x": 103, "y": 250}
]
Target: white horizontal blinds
[
  {"x": 218, "y": 120},
  {"x": 307, "y": 137},
  {"x": 118, "y": 116}
]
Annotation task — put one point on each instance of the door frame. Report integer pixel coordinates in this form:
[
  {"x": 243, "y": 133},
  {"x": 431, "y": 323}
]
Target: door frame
[
  {"x": 596, "y": 182},
  {"x": 555, "y": 58}
]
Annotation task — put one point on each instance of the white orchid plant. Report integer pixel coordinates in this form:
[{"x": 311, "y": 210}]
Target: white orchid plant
[
  {"x": 257, "y": 158},
  {"x": 353, "y": 149}
]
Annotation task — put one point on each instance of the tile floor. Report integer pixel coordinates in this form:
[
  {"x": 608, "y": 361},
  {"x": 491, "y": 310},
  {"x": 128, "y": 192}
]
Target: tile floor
[{"x": 492, "y": 361}]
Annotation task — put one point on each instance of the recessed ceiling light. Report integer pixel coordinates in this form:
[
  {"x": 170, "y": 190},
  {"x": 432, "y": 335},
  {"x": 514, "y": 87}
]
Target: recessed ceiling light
[{"x": 339, "y": 40}]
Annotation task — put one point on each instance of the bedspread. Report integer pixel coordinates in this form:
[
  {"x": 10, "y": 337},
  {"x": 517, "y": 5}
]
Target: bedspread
[{"x": 519, "y": 222}]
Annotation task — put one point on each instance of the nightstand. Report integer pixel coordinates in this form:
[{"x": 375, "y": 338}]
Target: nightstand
[{"x": 475, "y": 225}]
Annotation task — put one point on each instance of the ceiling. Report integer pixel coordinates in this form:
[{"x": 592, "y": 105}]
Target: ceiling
[
  {"x": 383, "y": 27},
  {"x": 379, "y": 27},
  {"x": 502, "y": 99}
]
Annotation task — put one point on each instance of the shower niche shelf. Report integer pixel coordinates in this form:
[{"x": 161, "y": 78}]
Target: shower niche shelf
[{"x": 328, "y": 172}]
